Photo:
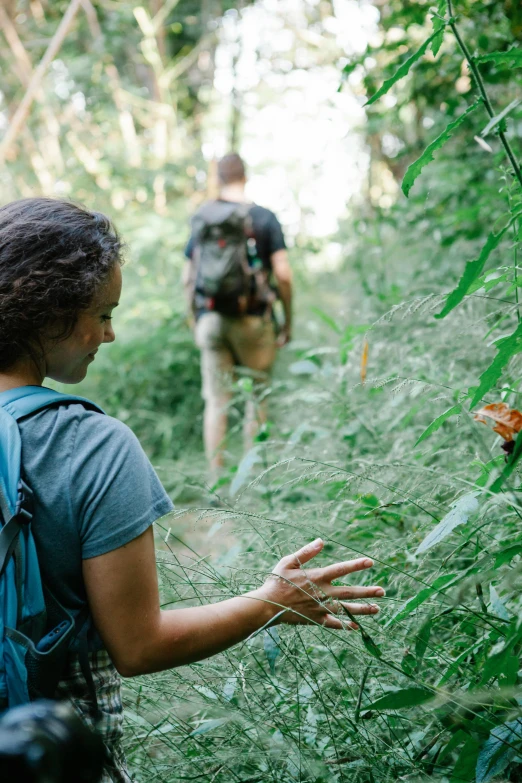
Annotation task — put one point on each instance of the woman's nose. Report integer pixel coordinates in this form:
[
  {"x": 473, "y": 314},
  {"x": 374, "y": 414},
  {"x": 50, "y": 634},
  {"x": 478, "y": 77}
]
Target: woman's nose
[{"x": 109, "y": 336}]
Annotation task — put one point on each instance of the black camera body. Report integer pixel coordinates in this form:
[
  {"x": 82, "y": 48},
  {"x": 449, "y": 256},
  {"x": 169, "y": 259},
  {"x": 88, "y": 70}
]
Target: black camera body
[{"x": 46, "y": 742}]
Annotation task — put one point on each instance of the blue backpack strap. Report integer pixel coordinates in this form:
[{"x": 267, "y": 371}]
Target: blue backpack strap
[
  {"x": 15, "y": 496},
  {"x": 25, "y": 400},
  {"x": 16, "y": 501}
]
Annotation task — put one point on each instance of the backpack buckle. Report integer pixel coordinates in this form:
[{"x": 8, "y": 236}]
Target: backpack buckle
[{"x": 25, "y": 503}]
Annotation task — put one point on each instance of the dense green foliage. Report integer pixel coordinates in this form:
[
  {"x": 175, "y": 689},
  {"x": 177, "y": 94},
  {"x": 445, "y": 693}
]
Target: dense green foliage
[{"x": 394, "y": 467}]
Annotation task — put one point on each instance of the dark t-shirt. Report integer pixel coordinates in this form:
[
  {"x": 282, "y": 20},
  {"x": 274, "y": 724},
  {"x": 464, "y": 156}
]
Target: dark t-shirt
[
  {"x": 267, "y": 232},
  {"x": 94, "y": 491}
]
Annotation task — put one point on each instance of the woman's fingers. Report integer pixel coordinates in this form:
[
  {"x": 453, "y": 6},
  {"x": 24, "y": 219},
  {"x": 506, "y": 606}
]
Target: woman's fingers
[
  {"x": 344, "y": 592},
  {"x": 357, "y": 608},
  {"x": 338, "y": 570},
  {"x": 303, "y": 555},
  {"x": 338, "y": 607},
  {"x": 334, "y": 622},
  {"x": 307, "y": 592}
]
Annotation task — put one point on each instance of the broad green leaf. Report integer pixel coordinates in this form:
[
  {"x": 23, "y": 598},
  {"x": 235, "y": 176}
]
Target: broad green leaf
[
  {"x": 512, "y": 462},
  {"x": 495, "y": 121},
  {"x": 486, "y": 468},
  {"x": 205, "y": 691},
  {"x": 488, "y": 285},
  {"x": 459, "y": 515},
  {"x": 506, "y": 555},
  {"x": 497, "y": 605},
  {"x": 464, "y": 769},
  {"x": 303, "y": 367},
  {"x": 415, "y": 169},
  {"x": 453, "y": 667},
  {"x": 454, "y": 742},
  {"x": 230, "y": 688},
  {"x": 407, "y": 697},
  {"x": 162, "y": 730},
  {"x": 271, "y": 646},
  {"x": 370, "y": 645},
  {"x": 403, "y": 70},
  {"x": 422, "y": 641},
  {"x": 508, "y": 677},
  {"x": 495, "y": 664},
  {"x": 208, "y": 725},
  {"x": 419, "y": 599},
  {"x": 439, "y": 26},
  {"x": 472, "y": 271},
  {"x": 438, "y": 422},
  {"x": 369, "y": 500},
  {"x": 437, "y": 41},
  {"x": 498, "y": 750},
  {"x": 244, "y": 469},
  {"x": 511, "y": 58},
  {"x": 507, "y": 347},
  {"x": 350, "y": 67}
]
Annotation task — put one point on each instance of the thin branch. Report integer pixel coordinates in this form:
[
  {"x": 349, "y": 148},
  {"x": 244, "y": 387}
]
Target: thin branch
[
  {"x": 159, "y": 19},
  {"x": 9, "y": 30},
  {"x": 50, "y": 148},
  {"x": 126, "y": 120},
  {"x": 22, "y": 112}
]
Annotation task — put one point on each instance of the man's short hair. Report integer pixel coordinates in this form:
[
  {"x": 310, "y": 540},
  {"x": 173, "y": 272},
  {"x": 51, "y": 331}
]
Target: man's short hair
[{"x": 231, "y": 169}]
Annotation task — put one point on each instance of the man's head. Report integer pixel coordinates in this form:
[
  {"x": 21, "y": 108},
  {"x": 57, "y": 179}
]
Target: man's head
[{"x": 231, "y": 170}]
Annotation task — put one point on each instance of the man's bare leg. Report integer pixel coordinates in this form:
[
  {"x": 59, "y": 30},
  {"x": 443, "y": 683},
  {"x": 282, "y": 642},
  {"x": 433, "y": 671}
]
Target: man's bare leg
[
  {"x": 214, "y": 432},
  {"x": 255, "y": 417}
]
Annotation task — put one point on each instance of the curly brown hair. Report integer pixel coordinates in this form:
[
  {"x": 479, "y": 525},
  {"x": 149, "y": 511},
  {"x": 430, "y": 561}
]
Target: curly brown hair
[{"x": 53, "y": 257}]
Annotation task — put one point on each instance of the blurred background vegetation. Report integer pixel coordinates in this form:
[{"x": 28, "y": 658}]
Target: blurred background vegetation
[{"x": 134, "y": 107}]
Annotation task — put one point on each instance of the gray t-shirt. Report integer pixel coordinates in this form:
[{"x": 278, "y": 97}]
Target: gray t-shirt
[{"x": 94, "y": 490}]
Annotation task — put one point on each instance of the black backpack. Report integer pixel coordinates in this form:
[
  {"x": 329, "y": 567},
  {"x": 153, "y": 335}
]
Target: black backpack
[{"x": 228, "y": 276}]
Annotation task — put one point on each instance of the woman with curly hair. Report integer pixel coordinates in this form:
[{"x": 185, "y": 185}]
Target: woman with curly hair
[{"x": 96, "y": 495}]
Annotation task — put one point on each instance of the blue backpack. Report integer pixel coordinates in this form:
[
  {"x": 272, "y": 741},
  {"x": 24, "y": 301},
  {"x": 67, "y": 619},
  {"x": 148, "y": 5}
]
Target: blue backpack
[{"x": 36, "y": 631}]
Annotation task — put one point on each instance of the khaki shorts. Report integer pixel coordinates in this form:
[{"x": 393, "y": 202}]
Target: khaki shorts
[{"x": 224, "y": 342}]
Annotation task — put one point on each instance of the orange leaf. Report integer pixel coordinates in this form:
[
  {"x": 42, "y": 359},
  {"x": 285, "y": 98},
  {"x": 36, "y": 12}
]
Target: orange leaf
[
  {"x": 364, "y": 361},
  {"x": 508, "y": 420}
]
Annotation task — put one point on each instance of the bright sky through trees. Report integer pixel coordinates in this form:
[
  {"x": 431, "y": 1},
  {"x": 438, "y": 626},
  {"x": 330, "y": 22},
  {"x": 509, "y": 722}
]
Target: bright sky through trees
[{"x": 300, "y": 135}]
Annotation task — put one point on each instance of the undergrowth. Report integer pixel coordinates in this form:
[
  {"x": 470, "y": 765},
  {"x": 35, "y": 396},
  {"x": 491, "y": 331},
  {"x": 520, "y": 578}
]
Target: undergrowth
[
  {"x": 380, "y": 456},
  {"x": 296, "y": 704}
]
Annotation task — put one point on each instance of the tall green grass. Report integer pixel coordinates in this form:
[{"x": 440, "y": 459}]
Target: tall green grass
[
  {"x": 395, "y": 468},
  {"x": 341, "y": 461}
]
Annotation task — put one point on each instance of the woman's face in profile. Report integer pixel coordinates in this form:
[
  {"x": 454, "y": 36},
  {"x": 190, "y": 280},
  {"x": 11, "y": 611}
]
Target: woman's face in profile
[{"x": 67, "y": 361}]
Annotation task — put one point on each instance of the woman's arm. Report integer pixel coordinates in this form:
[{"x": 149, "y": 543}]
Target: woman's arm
[{"x": 122, "y": 589}]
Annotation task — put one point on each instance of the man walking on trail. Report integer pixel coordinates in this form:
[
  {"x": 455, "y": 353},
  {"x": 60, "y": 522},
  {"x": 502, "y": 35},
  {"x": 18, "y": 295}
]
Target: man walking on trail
[{"x": 238, "y": 267}]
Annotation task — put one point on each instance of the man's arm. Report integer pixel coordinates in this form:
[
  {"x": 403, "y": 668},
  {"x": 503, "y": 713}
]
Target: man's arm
[
  {"x": 123, "y": 595},
  {"x": 188, "y": 288},
  {"x": 283, "y": 275}
]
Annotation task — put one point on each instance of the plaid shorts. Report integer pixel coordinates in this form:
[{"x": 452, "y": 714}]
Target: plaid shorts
[{"x": 73, "y": 688}]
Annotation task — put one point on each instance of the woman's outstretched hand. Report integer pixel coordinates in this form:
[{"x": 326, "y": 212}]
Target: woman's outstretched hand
[
  {"x": 122, "y": 588},
  {"x": 308, "y": 593}
]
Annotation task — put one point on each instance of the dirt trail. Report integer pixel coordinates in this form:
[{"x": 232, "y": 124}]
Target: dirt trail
[{"x": 197, "y": 531}]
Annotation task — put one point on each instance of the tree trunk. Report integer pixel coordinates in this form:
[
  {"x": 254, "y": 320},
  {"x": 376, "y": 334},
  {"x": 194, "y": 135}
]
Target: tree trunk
[{"x": 20, "y": 116}]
